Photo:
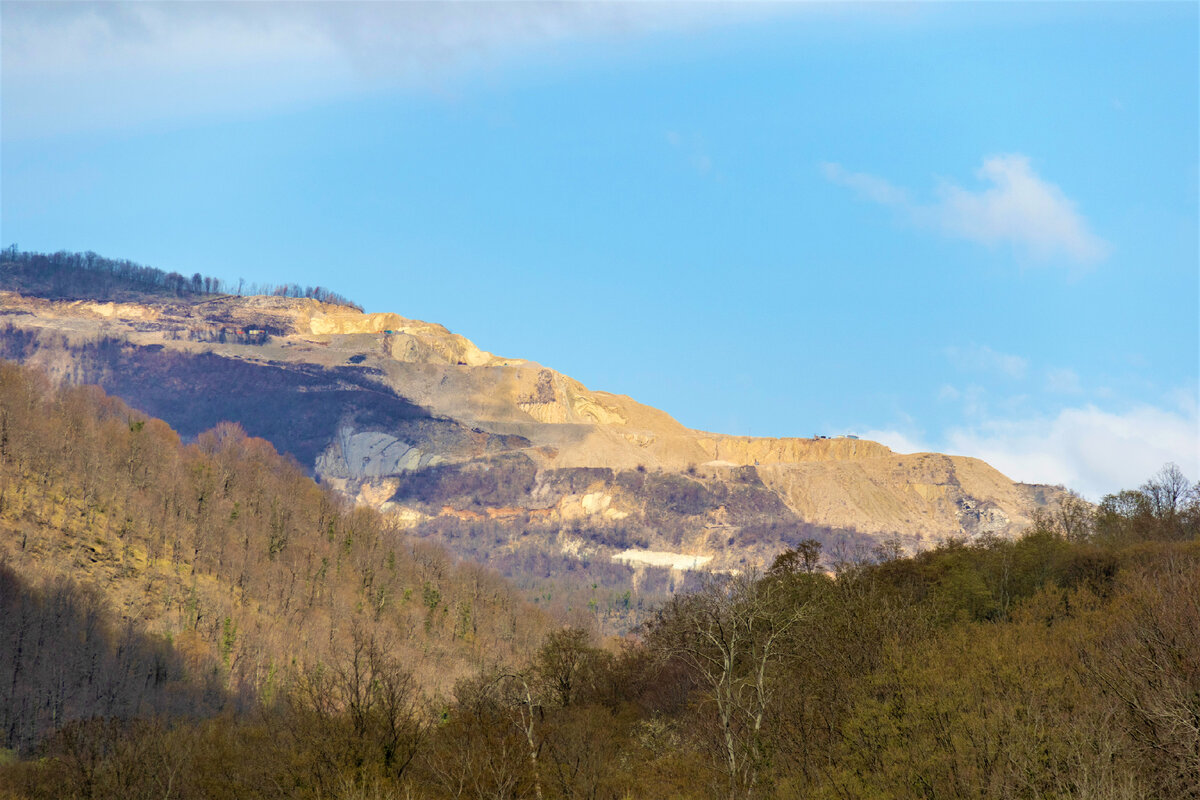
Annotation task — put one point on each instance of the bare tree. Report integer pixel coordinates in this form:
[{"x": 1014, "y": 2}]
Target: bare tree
[
  {"x": 1072, "y": 517},
  {"x": 729, "y": 634},
  {"x": 1149, "y": 664},
  {"x": 362, "y": 715},
  {"x": 516, "y": 692},
  {"x": 477, "y": 752},
  {"x": 1167, "y": 490}
]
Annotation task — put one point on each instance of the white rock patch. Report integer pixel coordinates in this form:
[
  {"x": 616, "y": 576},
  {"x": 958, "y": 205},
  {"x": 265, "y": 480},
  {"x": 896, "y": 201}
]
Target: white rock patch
[
  {"x": 662, "y": 558},
  {"x": 369, "y": 454}
]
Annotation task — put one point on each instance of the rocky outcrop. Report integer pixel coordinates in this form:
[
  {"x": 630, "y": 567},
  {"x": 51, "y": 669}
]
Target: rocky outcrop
[
  {"x": 362, "y": 456},
  {"x": 405, "y": 339}
]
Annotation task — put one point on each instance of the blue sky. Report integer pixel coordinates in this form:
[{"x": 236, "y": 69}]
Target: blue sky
[{"x": 969, "y": 228}]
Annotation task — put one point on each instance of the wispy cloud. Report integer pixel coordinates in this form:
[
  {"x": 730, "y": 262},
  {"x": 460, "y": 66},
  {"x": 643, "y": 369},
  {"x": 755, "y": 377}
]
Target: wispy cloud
[
  {"x": 375, "y": 37},
  {"x": 1063, "y": 381},
  {"x": 1018, "y": 207},
  {"x": 981, "y": 358},
  {"x": 71, "y": 66},
  {"x": 1015, "y": 206},
  {"x": 898, "y": 440},
  {"x": 869, "y": 186}
]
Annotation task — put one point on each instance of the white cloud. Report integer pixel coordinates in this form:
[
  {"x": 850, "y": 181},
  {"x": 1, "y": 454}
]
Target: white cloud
[
  {"x": 869, "y": 186},
  {"x": 1088, "y": 449},
  {"x": 1021, "y": 208},
  {"x": 981, "y": 358},
  {"x": 73, "y": 66},
  {"x": 1015, "y": 207},
  {"x": 376, "y": 36}
]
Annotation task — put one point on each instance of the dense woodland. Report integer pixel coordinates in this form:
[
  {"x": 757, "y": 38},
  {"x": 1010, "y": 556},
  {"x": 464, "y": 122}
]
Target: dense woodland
[
  {"x": 88, "y": 276},
  {"x": 203, "y": 621}
]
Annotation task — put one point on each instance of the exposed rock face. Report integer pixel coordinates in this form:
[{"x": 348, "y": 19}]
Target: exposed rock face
[
  {"x": 369, "y": 455},
  {"x": 421, "y": 422}
]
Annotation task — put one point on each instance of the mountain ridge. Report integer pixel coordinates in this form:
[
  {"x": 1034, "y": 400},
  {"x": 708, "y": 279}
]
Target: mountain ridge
[{"x": 501, "y": 443}]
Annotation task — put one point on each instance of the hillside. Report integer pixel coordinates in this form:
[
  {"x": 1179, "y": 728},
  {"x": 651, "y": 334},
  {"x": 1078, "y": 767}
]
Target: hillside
[
  {"x": 242, "y": 571},
  {"x": 187, "y": 614},
  {"x": 1058, "y": 664},
  {"x": 500, "y": 458}
]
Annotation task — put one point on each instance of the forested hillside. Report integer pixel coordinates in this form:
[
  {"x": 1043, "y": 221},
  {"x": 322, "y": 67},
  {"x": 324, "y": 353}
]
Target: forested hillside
[
  {"x": 289, "y": 637},
  {"x": 215, "y": 563}
]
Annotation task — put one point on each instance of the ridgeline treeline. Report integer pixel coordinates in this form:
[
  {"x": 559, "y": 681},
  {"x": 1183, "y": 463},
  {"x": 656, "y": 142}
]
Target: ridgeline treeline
[
  {"x": 1064, "y": 664},
  {"x": 87, "y": 276}
]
